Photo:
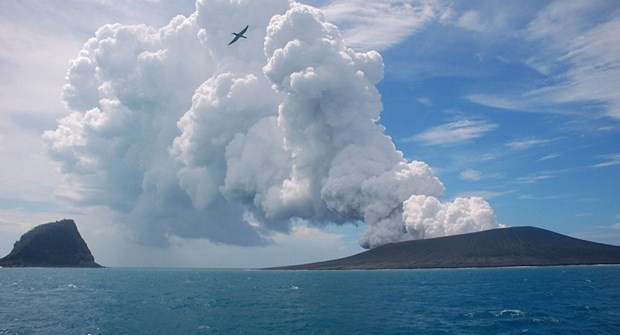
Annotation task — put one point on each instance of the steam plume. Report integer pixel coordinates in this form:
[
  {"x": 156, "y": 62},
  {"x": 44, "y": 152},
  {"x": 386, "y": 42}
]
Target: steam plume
[{"x": 184, "y": 135}]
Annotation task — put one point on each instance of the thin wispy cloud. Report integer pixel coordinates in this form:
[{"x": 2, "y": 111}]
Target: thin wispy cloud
[
  {"x": 470, "y": 174},
  {"x": 538, "y": 176},
  {"x": 579, "y": 58},
  {"x": 527, "y": 102},
  {"x": 533, "y": 178},
  {"x": 471, "y": 20},
  {"x": 592, "y": 57},
  {"x": 367, "y": 24},
  {"x": 425, "y": 101},
  {"x": 608, "y": 160},
  {"x": 549, "y": 157},
  {"x": 547, "y": 197},
  {"x": 527, "y": 143},
  {"x": 456, "y": 132},
  {"x": 486, "y": 194}
]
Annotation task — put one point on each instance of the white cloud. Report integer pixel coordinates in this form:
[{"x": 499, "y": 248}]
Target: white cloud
[
  {"x": 379, "y": 25},
  {"x": 429, "y": 218},
  {"x": 471, "y": 20},
  {"x": 549, "y": 157},
  {"x": 547, "y": 197},
  {"x": 470, "y": 174},
  {"x": 534, "y": 178},
  {"x": 425, "y": 101},
  {"x": 560, "y": 19},
  {"x": 527, "y": 143},
  {"x": 511, "y": 102},
  {"x": 455, "y": 132},
  {"x": 609, "y": 160},
  {"x": 574, "y": 45},
  {"x": 38, "y": 39},
  {"x": 183, "y": 136},
  {"x": 484, "y": 194}
]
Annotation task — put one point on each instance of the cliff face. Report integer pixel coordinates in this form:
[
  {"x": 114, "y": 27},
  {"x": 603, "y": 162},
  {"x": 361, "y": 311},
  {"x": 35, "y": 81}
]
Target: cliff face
[
  {"x": 55, "y": 244},
  {"x": 517, "y": 246}
]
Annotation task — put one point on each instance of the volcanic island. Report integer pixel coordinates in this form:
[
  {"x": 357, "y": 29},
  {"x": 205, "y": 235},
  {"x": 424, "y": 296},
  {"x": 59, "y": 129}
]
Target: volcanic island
[
  {"x": 501, "y": 247},
  {"x": 54, "y": 244}
]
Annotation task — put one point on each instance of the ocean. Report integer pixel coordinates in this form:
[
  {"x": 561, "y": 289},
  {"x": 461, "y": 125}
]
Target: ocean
[{"x": 546, "y": 300}]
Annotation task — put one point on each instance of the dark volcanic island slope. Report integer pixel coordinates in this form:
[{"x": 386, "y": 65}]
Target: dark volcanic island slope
[
  {"x": 517, "y": 246},
  {"x": 55, "y": 244}
]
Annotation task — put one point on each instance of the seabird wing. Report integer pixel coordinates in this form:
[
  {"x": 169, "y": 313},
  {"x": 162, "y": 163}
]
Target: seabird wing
[{"x": 234, "y": 39}]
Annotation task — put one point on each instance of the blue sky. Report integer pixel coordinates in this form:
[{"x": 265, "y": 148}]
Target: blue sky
[
  {"x": 514, "y": 101},
  {"x": 499, "y": 112}
]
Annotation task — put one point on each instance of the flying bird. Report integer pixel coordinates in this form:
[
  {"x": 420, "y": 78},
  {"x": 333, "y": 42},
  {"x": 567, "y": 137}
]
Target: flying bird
[{"x": 238, "y": 35}]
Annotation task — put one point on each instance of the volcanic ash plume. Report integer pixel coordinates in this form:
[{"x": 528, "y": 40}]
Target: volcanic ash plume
[{"x": 186, "y": 136}]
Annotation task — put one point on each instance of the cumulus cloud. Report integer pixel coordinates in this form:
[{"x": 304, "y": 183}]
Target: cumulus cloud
[{"x": 185, "y": 136}]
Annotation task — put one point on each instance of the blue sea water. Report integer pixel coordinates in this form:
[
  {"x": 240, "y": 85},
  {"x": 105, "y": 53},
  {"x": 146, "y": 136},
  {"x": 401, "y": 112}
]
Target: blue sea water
[{"x": 551, "y": 300}]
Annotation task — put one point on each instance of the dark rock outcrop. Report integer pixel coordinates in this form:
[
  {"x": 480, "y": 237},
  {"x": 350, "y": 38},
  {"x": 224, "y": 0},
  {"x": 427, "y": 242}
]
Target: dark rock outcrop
[
  {"x": 517, "y": 246},
  {"x": 54, "y": 244}
]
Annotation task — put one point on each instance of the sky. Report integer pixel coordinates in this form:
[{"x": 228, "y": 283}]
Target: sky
[{"x": 330, "y": 129}]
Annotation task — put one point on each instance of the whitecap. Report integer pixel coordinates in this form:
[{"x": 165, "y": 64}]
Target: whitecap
[
  {"x": 546, "y": 319},
  {"x": 508, "y": 312}
]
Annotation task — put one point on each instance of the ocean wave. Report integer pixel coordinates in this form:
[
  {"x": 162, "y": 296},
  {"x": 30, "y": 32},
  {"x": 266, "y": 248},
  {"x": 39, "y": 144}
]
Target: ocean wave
[{"x": 508, "y": 312}]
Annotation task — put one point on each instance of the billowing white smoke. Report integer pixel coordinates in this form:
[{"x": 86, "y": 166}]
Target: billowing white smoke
[
  {"x": 184, "y": 135},
  {"x": 426, "y": 217}
]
